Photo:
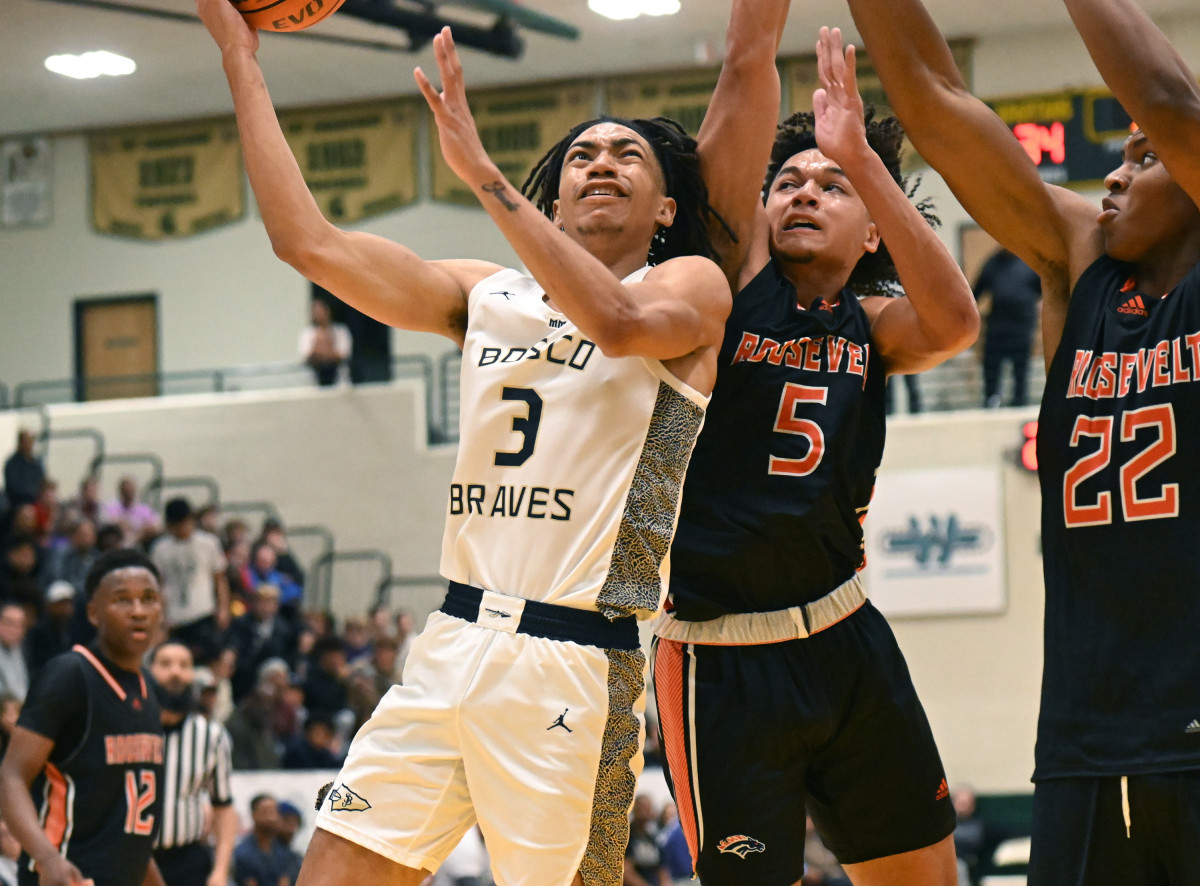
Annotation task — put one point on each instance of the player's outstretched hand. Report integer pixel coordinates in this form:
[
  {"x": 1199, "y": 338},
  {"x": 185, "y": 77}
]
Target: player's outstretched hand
[
  {"x": 226, "y": 25},
  {"x": 837, "y": 106},
  {"x": 461, "y": 146}
]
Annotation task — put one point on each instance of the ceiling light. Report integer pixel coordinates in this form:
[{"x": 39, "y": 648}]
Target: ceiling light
[
  {"x": 91, "y": 64},
  {"x": 625, "y": 9}
]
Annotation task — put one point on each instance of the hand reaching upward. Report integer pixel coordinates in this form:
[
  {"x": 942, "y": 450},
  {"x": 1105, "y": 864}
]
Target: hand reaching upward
[
  {"x": 837, "y": 106},
  {"x": 460, "y": 142}
]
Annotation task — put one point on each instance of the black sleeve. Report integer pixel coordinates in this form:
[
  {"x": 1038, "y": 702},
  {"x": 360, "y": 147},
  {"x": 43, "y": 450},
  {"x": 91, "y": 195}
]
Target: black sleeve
[{"x": 56, "y": 706}]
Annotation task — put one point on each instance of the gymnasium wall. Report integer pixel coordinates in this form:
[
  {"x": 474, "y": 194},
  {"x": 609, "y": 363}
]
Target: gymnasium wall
[{"x": 225, "y": 300}]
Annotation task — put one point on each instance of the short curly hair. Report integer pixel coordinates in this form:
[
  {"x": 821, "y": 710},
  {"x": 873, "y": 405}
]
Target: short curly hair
[
  {"x": 675, "y": 152},
  {"x": 875, "y": 273}
]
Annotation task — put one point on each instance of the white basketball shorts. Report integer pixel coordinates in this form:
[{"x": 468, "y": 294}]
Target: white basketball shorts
[{"x": 538, "y": 740}]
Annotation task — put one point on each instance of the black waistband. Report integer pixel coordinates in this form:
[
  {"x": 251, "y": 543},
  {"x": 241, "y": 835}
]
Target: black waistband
[{"x": 552, "y": 622}]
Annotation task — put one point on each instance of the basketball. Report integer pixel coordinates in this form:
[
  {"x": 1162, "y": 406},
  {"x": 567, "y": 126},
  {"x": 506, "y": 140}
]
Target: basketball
[{"x": 285, "y": 15}]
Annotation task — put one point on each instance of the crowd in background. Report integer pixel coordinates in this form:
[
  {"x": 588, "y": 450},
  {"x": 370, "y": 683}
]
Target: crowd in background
[{"x": 290, "y": 684}]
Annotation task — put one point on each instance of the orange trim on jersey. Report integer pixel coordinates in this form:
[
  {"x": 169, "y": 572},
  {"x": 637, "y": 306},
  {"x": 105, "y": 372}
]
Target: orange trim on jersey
[
  {"x": 142, "y": 680},
  {"x": 95, "y": 662},
  {"x": 56, "y": 811},
  {"x": 1130, "y": 285},
  {"x": 668, "y": 692}
]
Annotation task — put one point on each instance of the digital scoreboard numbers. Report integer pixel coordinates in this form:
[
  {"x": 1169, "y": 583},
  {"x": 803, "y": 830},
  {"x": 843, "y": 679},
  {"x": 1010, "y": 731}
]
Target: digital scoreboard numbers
[{"x": 1075, "y": 138}]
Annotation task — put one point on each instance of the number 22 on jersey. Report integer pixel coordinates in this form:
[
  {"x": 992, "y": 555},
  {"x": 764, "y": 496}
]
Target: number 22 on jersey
[{"x": 1158, "y": 420}]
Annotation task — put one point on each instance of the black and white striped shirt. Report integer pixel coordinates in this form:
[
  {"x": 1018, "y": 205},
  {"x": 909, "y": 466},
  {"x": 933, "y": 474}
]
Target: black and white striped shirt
[{"x": 196, "y": 768}]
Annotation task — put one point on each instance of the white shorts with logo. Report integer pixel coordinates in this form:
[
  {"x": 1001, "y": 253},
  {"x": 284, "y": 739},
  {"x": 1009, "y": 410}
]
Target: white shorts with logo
[{"x": 538, "y": 740}]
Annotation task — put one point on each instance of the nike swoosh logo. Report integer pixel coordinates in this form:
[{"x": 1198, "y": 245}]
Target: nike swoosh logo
[{"x": 496, "y": 613}]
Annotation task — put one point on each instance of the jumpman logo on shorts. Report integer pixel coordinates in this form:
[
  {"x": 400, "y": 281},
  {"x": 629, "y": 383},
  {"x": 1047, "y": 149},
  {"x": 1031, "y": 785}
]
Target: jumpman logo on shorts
[{"x": 561, "y": 721}]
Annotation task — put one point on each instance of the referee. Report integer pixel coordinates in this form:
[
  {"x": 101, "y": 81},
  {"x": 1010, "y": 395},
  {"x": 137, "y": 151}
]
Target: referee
[{"x": 196, "y": 768}]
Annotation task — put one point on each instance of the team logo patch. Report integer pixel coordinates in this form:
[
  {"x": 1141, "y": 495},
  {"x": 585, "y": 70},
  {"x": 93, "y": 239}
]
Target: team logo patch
[
  {"x": 741, "y": 845},
  {"x": 342, "y": 799}
]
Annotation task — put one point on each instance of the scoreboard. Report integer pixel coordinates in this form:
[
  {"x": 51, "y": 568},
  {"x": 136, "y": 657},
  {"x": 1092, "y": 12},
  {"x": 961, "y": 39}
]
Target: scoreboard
[{"x": 1075, "y": 138}]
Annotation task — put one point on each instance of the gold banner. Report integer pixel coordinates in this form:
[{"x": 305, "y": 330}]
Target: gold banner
[
  {"x": 517, "y": 126},
  {"x": 683, "y": 97},
  {"x": 165, "y": 182},
  {"x": 358, "y": 161},
  {"x": 800, "y": 75}
]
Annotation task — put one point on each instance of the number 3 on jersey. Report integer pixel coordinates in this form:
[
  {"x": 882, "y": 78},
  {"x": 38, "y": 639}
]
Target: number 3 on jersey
[
  {"x": 787, "y": 423},
  {"x": 138, "y": 799},
  {"x": 526, "y": 426},
  {"x": 1098, "y": 512}
]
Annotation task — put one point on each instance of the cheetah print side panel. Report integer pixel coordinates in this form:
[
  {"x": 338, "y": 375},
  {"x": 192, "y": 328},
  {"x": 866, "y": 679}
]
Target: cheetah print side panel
[
  {"x": 604, "y": 859},
  {"x": 648, "y": 523}
]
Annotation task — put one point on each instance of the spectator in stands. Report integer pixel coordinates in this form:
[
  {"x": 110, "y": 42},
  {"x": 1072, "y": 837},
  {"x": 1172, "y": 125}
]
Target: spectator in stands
[
  {"x": 676, "y": 856},
  {"x": 356, "y": 639},
  {"x": 195, "y": 591},
  {"x": 379, "y": 668},
  {"x": 260, "y": 859},
  {"x": 313, "y": 748},
  {"x": 47, "y": 512},
  {"x": 215, "y": 687},
  {"x": 237, "y": 572},
  {"x": 252, "y": 724},
  {"x": 85, "y": 505},
  {"x": 55, "y": 632},
  {"x": 208, "y": 518},
  {"x": 912, "y": 388},
  {"x": 19, "y": 576},
  {"x": 17, "y": 522},
  {"x": 23, "y": 472},
  {"x": 974, "y": 838},
  {"x": 643, "y": 856},
  {"x": 1015, "y": 290},
  {"x": 71, "y": 562},
  {"x": 138, "y": 521},
  {"x": 290, "y": 822},
  {"x": 285, "y": 561},
  {"x": 325, "y": 688},
  {"x": 263, "y": 570},
  {"x": 10, "y": 853},
  {"x": 325, "y": 345},
  {"x": 109, "y": 537},
  {"x": 14, "y": 670},
  {"x": 257, "y": 636}
]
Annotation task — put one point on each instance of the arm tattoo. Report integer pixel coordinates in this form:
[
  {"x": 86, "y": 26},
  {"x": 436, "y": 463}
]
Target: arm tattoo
[{"x": 497, "y": 189}]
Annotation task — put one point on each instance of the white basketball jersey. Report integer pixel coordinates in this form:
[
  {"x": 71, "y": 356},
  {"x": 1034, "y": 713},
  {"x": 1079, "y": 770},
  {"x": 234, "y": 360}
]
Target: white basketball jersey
[{"x": 571, "y": 463}]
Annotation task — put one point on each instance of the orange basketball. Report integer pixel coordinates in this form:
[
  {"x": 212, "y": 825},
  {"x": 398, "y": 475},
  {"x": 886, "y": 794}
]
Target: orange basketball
[{"x": 285, "y": 15}]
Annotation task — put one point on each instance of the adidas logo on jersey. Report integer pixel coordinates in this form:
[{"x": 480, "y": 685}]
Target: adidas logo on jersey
[
  {"x": 1192, "y": 727},
  {"x": 1134, "y": 306},
  {"x": 943, "y": 791}
]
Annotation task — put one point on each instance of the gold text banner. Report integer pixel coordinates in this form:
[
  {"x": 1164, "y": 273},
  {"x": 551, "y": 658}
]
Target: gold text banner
[
  {"x": 166, "y": 182},
  {"x": 517, "y": 126},
  {"x": 359, "y": 161},
  {"x": 683, "y": 97}
]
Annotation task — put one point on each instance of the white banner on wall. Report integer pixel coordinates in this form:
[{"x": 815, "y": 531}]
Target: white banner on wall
[
  {"x": 935, "y": 542},
  {"x": 25, "y": 181}
]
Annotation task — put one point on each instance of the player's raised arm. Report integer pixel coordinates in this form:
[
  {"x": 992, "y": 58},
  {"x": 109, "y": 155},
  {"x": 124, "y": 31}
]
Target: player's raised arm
[
  {"x": 1052, "y": 229},
  {"x": 27, "y": 755},
  {"x": 380, "y": 278},
  {"x": 1149, "y": 79},
  {"x": 739, "y": 126},
  {"x": 939, "y": 317},
  {"x": 680, "y": 306}
]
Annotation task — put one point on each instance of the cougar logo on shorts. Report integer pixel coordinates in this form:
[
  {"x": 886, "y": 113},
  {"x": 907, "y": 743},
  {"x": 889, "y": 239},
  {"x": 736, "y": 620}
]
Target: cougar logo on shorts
[
  {"x": 741, "y": 845},
  {"x": 342, "y": 799}
]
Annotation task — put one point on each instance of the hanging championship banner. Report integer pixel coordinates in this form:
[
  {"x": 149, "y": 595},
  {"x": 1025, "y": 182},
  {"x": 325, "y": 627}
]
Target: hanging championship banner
[
  {"x": 800, "y": 75},
  {"x": 165, "y": 182},
  {"x": 517, "y": 127},
  {"x": 25, "y": 197},
  {"x": 683, "y": 97},
  {"x": 358, "y": 161}
]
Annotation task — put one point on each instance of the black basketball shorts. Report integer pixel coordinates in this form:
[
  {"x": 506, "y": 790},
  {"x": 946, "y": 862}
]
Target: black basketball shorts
[
  {"x": 1098, "y": 832},
  {"x": 753, "y": 734}
]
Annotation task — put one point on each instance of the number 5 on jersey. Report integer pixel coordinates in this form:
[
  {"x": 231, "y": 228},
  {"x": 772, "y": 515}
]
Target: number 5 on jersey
[{"x": 786, "y": 422}]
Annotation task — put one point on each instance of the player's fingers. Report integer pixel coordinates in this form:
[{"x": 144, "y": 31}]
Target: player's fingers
[
  {"x": 454, "y": 67},
  {"x": 428, "y": 90},
  {"x": 820, "y": 103},
  {"x": 851, "y": 74}
]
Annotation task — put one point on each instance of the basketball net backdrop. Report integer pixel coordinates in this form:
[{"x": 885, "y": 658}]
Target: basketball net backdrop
[{"x": 166, "y": 182}]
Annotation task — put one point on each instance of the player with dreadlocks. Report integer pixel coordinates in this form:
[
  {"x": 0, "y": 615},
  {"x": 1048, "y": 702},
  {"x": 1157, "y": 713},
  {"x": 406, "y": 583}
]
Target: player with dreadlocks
[
  {"x": 778, "y": 685},
  {"x": 583, "y": 387}
]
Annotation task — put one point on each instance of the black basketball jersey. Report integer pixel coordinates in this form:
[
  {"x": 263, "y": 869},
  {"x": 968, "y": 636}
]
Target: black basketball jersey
[
  {"x": 98, "y": 797},
  {"x": 783, "y": 471},
  {"x": 1119, "y": 460}
]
